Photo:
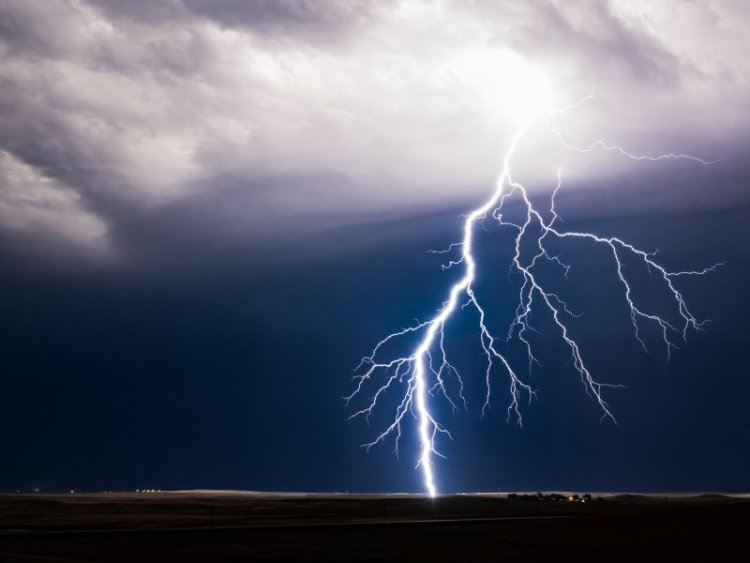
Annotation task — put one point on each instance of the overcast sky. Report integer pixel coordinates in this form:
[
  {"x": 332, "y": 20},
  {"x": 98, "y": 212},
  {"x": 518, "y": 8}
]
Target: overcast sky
[{"x": 252, "y": 114}]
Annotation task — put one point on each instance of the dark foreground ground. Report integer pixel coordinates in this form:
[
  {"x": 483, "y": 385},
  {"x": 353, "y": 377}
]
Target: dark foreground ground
[{"x": 195, "y": 526}]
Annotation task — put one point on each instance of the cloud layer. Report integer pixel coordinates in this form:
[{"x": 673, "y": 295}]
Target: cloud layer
[{"x": 117, "y": 114}]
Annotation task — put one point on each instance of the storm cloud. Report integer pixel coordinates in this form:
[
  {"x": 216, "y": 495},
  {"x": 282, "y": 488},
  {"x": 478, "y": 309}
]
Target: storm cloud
[
  {"x": 210, "y": 210},
  {"x": 202, "y": 118}
]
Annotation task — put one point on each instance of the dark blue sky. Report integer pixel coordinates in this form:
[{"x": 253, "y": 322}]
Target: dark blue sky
[{"x": 227, "y": 372}]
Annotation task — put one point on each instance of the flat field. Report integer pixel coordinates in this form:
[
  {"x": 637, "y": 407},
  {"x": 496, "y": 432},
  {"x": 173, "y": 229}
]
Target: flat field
[{"x": 240, "y": 526}]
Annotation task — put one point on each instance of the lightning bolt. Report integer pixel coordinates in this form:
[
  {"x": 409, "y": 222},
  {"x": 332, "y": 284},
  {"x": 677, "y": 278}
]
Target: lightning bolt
[{"x": 423, "y": 372}]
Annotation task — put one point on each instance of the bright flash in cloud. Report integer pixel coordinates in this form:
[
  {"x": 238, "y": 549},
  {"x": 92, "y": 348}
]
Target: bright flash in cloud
[{"x": 503, "y": 84}]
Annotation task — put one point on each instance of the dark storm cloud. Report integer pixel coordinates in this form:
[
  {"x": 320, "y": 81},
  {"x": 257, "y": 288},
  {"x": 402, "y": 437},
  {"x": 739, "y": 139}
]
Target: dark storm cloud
[
  {"x": 592, "y": 32},
  {"x": 297, "y": 20},
  {"x": 113, "y": 112},
  {"x": 287, "y": 16}
]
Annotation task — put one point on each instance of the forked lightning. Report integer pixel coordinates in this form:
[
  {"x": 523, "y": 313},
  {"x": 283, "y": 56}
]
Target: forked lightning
[{"x": 422, "y": 373}]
